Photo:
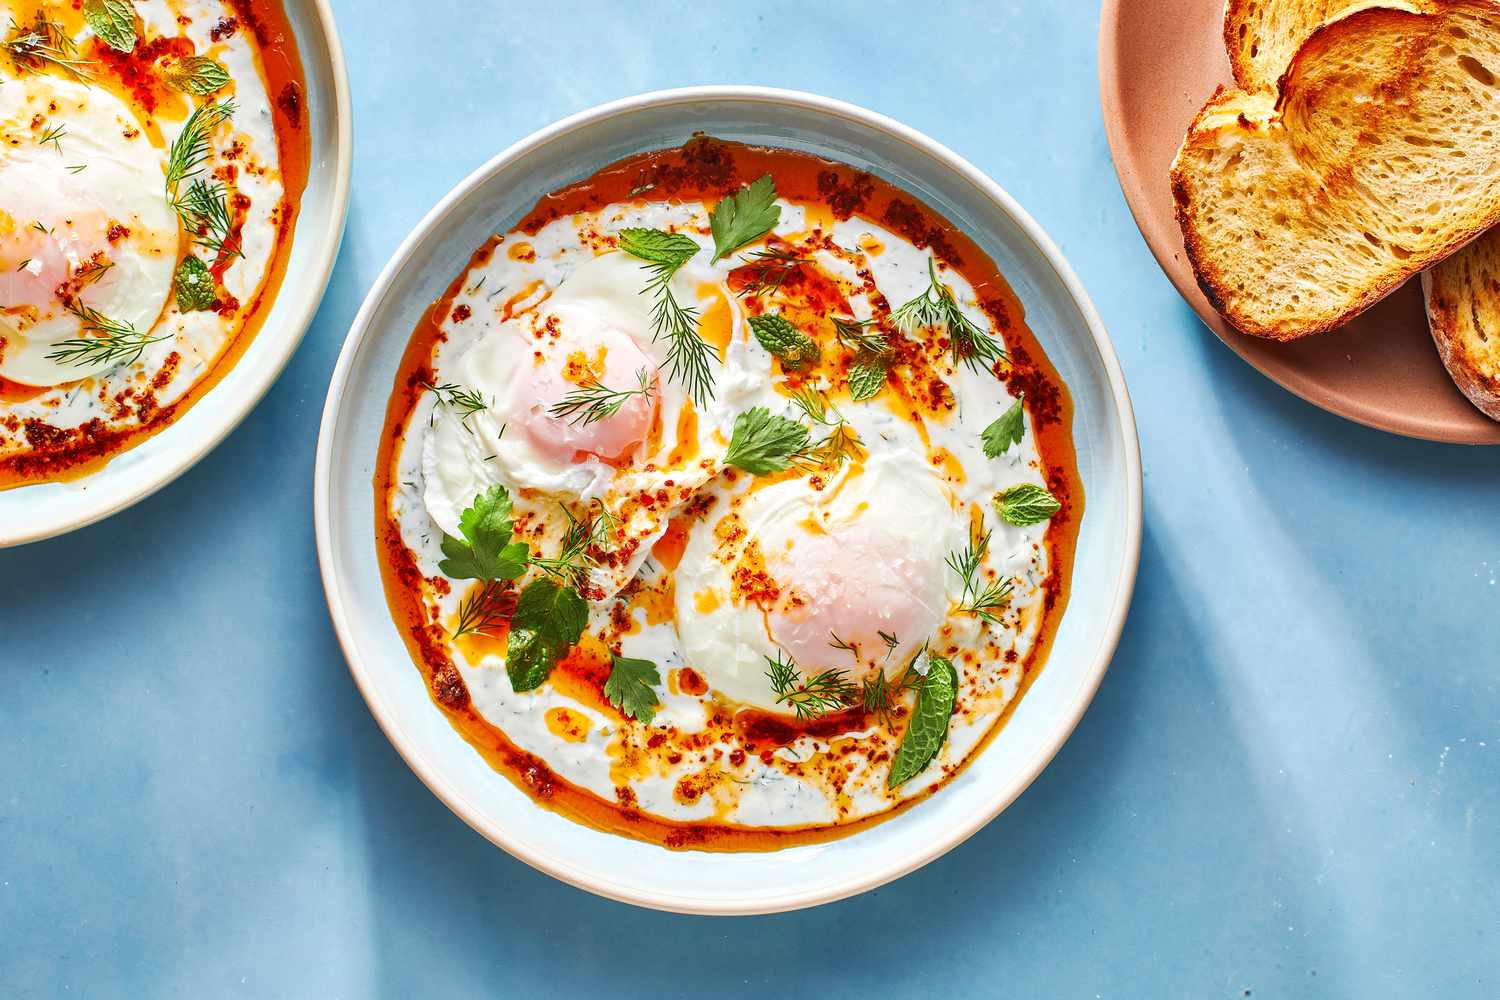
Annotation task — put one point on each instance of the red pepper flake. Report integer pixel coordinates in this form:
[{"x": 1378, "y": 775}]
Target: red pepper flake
[
  {"x": 462, "y": 313},
  {"x": 290, "y": 103}
]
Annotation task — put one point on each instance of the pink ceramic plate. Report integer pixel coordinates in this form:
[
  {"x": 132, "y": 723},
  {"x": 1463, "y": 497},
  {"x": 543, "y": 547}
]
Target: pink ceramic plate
[{"x": 1159, "y": 61}]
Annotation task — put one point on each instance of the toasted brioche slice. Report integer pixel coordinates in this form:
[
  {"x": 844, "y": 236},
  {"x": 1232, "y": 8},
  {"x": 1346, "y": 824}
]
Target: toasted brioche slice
[
  {"x": 1463, "y": 308},
  {"x": 1263, "y": 35},
  {"x": 1375, "y": 158}
]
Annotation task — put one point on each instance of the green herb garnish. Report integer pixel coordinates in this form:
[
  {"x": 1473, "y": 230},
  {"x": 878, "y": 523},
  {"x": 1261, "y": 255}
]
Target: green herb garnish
[
  {"x": 838, "y": 445},
  {"x": 449, "y": 394},
  {"x": 935, "y": 306},
  {"x": 810, "y": 698},
  {"x": 783, "y": 340},
  {"x": 688, "y": 353},
  {"x": 866, "y": 379},
  {"x": 204, "y": 210},
  {"x": 631, "y": 687},
  {"x": 763, "y": 444},
  {"x": 198, "y": 75},
  {"x": 1006, "y": 432},
  {"x": 117, "y": 343},
  {"x": 195, "y": 286},
  {"x": 572, "y": 564},
  {"x": 769, "y": 270},
  {"x": 485, "y": 552},
  {"x": 113, "y": 21},
  {"x": 928, "y": 730},
  {"x": 191, "y": 147},
  {"x": 982, "y": 598},
  {"x": 1025, "y": 505},
  {"x": 548, "y": 622},
  {"x": 593, "y": 401},
  {"x": 44, "y": 43},
  {"x": 744, "y": 217}
]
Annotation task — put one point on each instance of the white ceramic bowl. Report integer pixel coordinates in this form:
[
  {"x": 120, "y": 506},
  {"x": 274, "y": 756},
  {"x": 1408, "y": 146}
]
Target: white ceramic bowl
[
  {"x": 491, "y": 201},
  {"x": 31, "y": 513}
]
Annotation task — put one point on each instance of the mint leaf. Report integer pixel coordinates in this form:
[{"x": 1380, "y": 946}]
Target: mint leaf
[
  {"x": 1000, "y": 436},
  {"x": 1026, "y": 505},
  {"x": 778, "y": 336},
  {"x": 113, "y": 21},
  {"x": 671, "y": 250},
  {"x": 485, "y": 552},
  {"x": 198, "y": 75},
  {"x": 549, "y": 621},
  {"x": 763, "y": 444},
  {"x": 928, "y": 729},
  {"x": 744, "y": 216},
  {"x": 866, "y": 379},
  {"x": 195, "y": 286},
  {"x": 630, "y": 687}
]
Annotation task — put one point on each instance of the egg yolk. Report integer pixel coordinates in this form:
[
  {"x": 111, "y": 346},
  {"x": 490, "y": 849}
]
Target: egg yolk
[
  {"x": 858, "y": 583},
  {"x": 600, "y": 356},
  {"x": 42, "y": 266}
]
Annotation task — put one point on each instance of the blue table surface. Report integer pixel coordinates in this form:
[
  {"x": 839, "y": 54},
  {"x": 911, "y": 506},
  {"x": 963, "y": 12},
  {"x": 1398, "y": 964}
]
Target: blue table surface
[{"x": 1288, "y": 785}]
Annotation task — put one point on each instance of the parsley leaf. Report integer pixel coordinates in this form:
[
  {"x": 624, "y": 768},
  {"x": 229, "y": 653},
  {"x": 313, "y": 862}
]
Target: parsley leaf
[
  {"x": 486, "y": 551},
  {"x": 195, "y": 286},
  {"x": 763, "y": 444},
  {"x": 198, "y": 75},
  {"x": 744, "y": 217},
  {"x": 778, "y": 336},
  {"x": 630, "y": 687},
  {"x": 113, "y": 21},
  {"x": 549, "y": 621},
  {"x": 656, "y": 247},
  {"x": 1026, "y": 505},
  {"x": 1000, "y": 436},
  {"x": 866, "y": 379},
  {"x": 928, "y": 729}
]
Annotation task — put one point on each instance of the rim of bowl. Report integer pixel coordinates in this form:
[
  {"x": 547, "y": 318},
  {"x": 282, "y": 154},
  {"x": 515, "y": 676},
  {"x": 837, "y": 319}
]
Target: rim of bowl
[
  {"x": 260, "y": 380},
  {"x": 452, "y": 796}
]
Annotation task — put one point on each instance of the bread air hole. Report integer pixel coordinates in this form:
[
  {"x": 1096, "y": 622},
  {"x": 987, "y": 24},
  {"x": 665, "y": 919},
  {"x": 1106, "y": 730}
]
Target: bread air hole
[{"x": 1476, "y": 69}]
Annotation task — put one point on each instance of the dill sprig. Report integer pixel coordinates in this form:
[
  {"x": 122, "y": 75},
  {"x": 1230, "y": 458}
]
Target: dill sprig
[
  {"x": 837, "y": 643},
  {"x": 851, "y": 334},
  {"x": 485, "y": 610},
  {"x": 981, "y": 597},
  {"x": 580, "y": 541},
  {"x": 594, "y": 401},
  {"x": 449, "y": 394},
  {"x": 838, "y": 445},
  {"x": 204, "y": 210},
  {"x": 812, "y": 697},
  {"x": 116, "y": 344},
  {"x": 190, "y": 149},
  {"x": 204, "y": 206},
  {"x": 54, "y": 136},
  {"x": 45, "y": 43},
  {"x": 935, "y": 306},
  {"x": 879, "y": 693},
  {"x": 688, "y": 354},
  {"x": 769, "y": 270}
]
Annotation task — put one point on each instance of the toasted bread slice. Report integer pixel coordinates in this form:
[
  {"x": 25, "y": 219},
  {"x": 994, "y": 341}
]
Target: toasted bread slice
[
  {"x": 1376, "y": 157},
  {"x": 1263, "y": 35},
  {"x": 1463, "y": 308}
]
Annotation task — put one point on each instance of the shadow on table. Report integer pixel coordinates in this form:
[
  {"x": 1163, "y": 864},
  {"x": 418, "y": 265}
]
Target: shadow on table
[{"x": 447, "y": 898}]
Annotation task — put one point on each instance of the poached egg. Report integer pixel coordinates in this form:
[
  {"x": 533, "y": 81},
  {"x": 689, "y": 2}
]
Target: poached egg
[{"x": 84, "y": 222}]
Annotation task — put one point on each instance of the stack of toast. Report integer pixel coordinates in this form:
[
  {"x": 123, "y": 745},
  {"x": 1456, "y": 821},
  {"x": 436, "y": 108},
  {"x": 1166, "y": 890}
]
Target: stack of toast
[{"x": 1360, "y": 148}]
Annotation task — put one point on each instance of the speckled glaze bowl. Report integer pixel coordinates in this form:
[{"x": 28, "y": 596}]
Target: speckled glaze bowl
[
  {"x": 31, "y": 513},
  {"x": 1059, "y": 312}
]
